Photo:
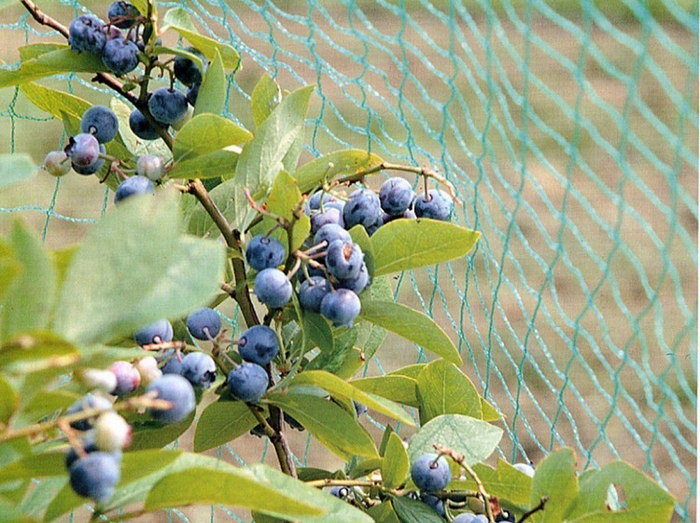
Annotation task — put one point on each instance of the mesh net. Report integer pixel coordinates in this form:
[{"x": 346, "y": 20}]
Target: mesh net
[{"x": 570, "y": 131}]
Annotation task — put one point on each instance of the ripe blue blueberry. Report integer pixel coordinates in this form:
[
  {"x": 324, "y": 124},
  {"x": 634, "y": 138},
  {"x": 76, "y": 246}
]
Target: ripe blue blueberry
[
  {"x": 120, "y": 55},
  {"x": 171, "y": 363},
  {"x": 122, "y": 14},
  {"x": 339, "y": 491},
  {"x": 178, "y": 391},
  {"x": 433, "y": 502},
  {"x": 431, "y": 474},
  {"x": 83, "y": 149},
  {"x": 56, "y": 163},
  {"x": 89, "y": 401},
  {"x": 88, "y": 445},
  {"x": 95, "y": 476},
  {"x": 101, "y": 122},
  {"x": 360, "y": 408},
  {"x": 311, "y": 293},
  {"x": 505, "y": 516},
  {"x": 157, "y": 332},
  {"x": 186, "y": 70},
  {"x": 204, "y": 323},
  {"x": 133, "y": 186},
  {"x": 167, "y": 105},
  {"x": 438, "y": 205},
  {"x": 344, "y": 259},
  {"x": 128, "y": 377},
  {"x": 90, "y": 169},
  {"x": 141, "y": 127},
  {"x": 314, "y": 201},
  {"x": 272, "y": 288},
  {"x": 191, "y": 94},
  {"x": 341, "y": 307},
  {"x": 264, "y": 252},
  {"x": 248, "y": 382},
  {"x": 396, "y": 196},
  {"x": 150, "y": 166},
  {"x": 357, "y": 284},
  {"x": 86, "y": 33},
  {"x": 363, "y": 208},
  {"x": 199, "y": 369},
  {"x": 331, "y": 232},
  {"x": 466, "y": 517},
  {"x": 259, "y": 344},
  {"x": 332, "y": 213}
]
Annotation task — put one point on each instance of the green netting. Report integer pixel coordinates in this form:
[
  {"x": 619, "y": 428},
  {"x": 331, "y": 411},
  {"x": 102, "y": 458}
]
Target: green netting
[{"x": 570, "y": 131}]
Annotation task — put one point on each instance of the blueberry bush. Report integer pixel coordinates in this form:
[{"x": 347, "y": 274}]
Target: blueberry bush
[{"x": 208, "y": 213}]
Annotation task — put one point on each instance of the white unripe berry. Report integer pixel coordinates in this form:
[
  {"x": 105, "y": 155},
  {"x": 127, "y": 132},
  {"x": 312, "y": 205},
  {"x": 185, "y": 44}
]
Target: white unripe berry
[{"x": 112, "y": 432}]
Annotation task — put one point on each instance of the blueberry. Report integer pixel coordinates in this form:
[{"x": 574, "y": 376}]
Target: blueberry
[
  {"x": 339, "y": 491},
  {"x": 438, "y": 205},
  {"x": 505, "y": 516},
  {"x": 199, "y": 369},
  {"x": 150, "y": 166},
  {"x": 88, "y": 401},
  {"x": 157, "y": 332},
  {"x": 179, "y": 392},
  {"x": 204, "y": 323},
  {"x": 148, "y": 370},
  {"x": 192, "y": 94},
  {"x": 433, "y": 502},
  {"x": 90, "y": 169},
  {"x": 247, "y": 382},
  {"x": 264, "y": 252},
  {"x": 112, "y": 432},
  {"x": 133, "y": 186},
  {"x": 83, "y": 149},
  {"x": 344, "y": 259},
  {"x": 171, "y": 365},
  {"x": 95, "y": 476},
  {"x": 311, "y": 293},
  {"x": 409, "y": 215},
  {"x": 56, "y": 163},
  {"x": 357, "y": 284},
  {"x": 259, "y": 344},
  {"x": 128, "y": 378},
  {"x": 332, "y": 213},
  {"x": 167, "y": 105},
  {"x": 360, "y": 408},
  {"x": 364, "y": 209},
  {"x": 331, "y": 232},
  {"x": 141, "y": 127},
  {"x": 314, "y": 202},
  {"x": 120, "y": 55},
  {"x": 122, "y": 14},
  {"x": 86, "y": 33},
  {"x": 187, "y": 71},
  {"x": 525, "y": 468},
  {"x": 101, "y": 122},
  {"x": 396, "y": 196},
  {"x": 272, "y": 288},
  {"x": 341, "y": 307},
  {"x": 466, "y": 517},
  {"x": 430, "y": 475},
  {"x": 72, "y": 456}
]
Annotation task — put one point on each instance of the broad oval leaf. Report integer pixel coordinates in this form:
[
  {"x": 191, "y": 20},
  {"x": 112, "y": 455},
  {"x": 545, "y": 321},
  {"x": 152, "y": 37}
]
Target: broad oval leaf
[
  {"x": 474, "y": 439},
  {"x": 222, "y": 422},
  {"x": 211, "y": 96},
  {"x": 395, "y": 464},
  {"x": 207, "y": 133},
  {"x": 444, "y": 389},
  {"x": 555, "y": 477},
  {"x": 153, "y": 435},
  {"x": 217, "y": 163},
  {"x": 407, "y": 244},
  {"x": 412, "y": 325},
  {"x": 48, "y": 64},
  {"x": 414, "y": 511},
  {"x": 264, "y": 99},
  {"x": 341, "y": 163},
  {"x": 400, "y": 389}
]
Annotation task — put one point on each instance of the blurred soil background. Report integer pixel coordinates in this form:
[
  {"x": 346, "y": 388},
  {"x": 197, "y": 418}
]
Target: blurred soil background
[{"x": 571, "y": 136}]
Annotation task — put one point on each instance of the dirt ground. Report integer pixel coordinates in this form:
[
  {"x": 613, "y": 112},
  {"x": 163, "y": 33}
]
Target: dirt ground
[{"x": 573, "y": 147}]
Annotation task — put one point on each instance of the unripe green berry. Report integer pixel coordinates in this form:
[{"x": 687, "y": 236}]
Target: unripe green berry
[{"x": 56, "y": 163}]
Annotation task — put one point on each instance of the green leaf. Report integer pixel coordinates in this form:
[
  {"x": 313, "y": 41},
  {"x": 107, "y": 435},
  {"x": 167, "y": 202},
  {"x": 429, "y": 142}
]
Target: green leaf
[
  {"x": 27, "y": 303},
  {"x": 395, "y": 464},
  {"x": 10, "y": 266},
  {"x": 504, "y": 482},
  {"x": 400, "y": 389},
  {"x": 49, "y": 64},
  {"x": 341, "y": 163},
  {"x": 225, "y": 196},
  {"x": 262, "y": 157},
  {"x": 644, "y": 500},
  {"x": 222, "y": 422},
  {"x": 44, "y": 403},
  {"x": 211, "y": 96},
  {"x": 27, "y": 52},
  {"x": 265, "y": 97},
  {"x": 216, "y": 164},
  {"x": 15, "y": 168},
  {"x": 135, "y": 145},
  {"x": 54, "y": 102},
  {"x": 384, "y": 513},
  {"x": 232, "y": 486},
  {"x": 365, "y": 467},
  {"x": 409, "y": 371},
  {"x": 555, "y": 477},
  {"x": 208, "y": 133},
  {"x": 318, "y": 331},
  {"x": 338, "y": 387},
  {"x": 412, "y": 325},
  {"x": 282, "y": 201},
  {"x": 406, "y": 244},
  {"x": 153, "y": 435},
  {"x": 179, "y": 20},
  {"x": 139, "y": 242},
  {"x": 335, "y": 509},
  {"x": 444, "y": 389},
  {"x": 9, "y": 401},
  {"x": 414, "y": 511},
  {"x": 330, "y": 424},
  {"x": 40, "y": 352},
  {"x": 34, "y": 466},
  {"x": 489, "y": 412},
  {"x": 471, "y": 437}
]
